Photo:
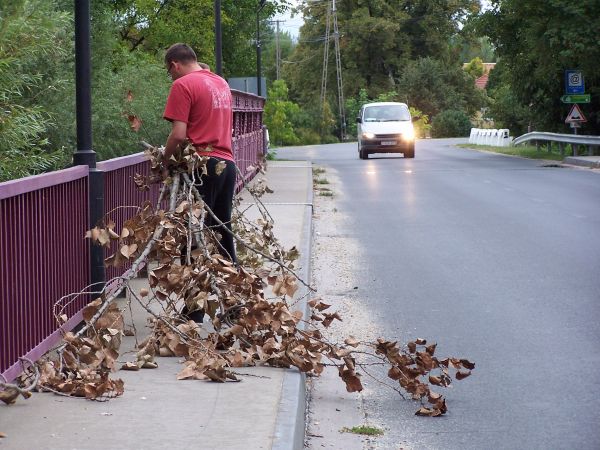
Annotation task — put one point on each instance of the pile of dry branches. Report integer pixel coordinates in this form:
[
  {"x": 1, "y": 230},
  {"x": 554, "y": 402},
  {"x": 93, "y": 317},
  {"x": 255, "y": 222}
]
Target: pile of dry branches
[{"x": 246, "y": 327}]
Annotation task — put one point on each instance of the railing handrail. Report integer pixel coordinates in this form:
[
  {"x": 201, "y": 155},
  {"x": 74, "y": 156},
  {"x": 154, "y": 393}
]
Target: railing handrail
[
  {"x": 123, "y": 161},
  {"x": 577, "y": 139},
  {"x": 20, "y": 186}
]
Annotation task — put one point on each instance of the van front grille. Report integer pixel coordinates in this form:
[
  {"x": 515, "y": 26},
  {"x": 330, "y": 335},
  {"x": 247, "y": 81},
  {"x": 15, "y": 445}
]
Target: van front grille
[{"x": 387, "y": 136}]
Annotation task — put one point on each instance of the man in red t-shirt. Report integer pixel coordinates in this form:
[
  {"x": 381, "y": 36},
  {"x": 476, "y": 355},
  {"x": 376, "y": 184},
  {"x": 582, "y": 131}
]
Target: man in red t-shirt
[{"x": 199, "y": 108}]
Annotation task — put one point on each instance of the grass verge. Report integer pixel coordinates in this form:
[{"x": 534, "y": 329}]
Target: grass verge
[
  {"x": 366, "y": 430},
  {"x": 524, "y": 151}
]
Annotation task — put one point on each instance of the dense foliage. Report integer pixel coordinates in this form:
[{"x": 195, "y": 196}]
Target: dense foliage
[
  {"x": 536, "y": 41},
  {"x": 411, "y": 51},
  {"x": 34, "y": 44},
  {"x": 408, "y": 48},
  {"x": 450, "y": 123},
  {"x": 37, "y": 87}
]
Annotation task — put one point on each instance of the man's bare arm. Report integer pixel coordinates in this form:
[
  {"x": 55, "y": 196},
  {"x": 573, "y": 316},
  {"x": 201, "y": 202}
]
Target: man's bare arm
[{"x": 177, "y": 136}]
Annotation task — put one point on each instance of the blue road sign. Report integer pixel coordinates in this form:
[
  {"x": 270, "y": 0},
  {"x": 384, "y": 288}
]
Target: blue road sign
[{"x": 574, "y": 82}]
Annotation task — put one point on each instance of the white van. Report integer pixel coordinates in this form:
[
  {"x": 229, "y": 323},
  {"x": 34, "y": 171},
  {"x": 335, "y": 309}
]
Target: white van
[{"x": 385, "y": 127}]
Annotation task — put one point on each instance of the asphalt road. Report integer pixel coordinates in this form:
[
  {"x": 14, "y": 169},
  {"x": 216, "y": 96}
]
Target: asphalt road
[{"x": 495, "y": 258}]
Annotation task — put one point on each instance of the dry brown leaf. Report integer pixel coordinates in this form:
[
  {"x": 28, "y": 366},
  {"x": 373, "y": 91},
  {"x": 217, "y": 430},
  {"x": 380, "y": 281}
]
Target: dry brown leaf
[
  {"x": 9, "y": 396},
  {"x": 435, "y": 380},
  {"x": 89, "y": 311},
  {"x": 430, "y": 412},
  {"x": 352, "y": 341},
  {"x": 351, "y": 379},
  {"x": 128, "y": 250},
  {"x": 322, "y": 306},
  {"x": 220, "y": 167},
  {"x": 462, "y": 375},
  {"x": 130, "y": 366},
  {"x": 134, "y": 122},
  {"x": 467, "y": 364}
]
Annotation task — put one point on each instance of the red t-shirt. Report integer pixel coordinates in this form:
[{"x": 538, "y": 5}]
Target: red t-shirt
[{"x": 203, "y": 101}]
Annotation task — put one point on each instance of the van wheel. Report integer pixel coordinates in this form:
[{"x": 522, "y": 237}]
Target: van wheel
[
  {"x": 361, "y": 153},
  {"x": 410, "y": 152}
]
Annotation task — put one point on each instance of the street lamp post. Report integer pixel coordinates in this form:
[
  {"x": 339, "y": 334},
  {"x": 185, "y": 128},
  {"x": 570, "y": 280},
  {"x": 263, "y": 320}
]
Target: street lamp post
[
  {"x": 218, "y": 39},
  {"x": 85, "y": 155},
  {"x": 261, "y": 5}
]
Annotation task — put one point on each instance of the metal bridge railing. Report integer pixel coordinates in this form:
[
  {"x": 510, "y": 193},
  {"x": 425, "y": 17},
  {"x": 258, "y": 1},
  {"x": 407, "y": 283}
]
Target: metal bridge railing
[{"x": 43, "y": 220}]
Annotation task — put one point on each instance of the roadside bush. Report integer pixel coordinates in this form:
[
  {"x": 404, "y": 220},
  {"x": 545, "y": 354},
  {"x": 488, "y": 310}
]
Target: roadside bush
[
  {"x": 420, "y": 122},
  {"x": 306, "y": 136},
  {"x": 451, "y": 123}
]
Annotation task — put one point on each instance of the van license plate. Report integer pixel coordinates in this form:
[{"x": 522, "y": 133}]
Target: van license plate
[{"x": 388, "y": 142}]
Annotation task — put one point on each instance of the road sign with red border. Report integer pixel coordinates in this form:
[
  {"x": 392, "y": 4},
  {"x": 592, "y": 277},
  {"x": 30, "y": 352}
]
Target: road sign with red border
[{"x": 575, "y": 115}]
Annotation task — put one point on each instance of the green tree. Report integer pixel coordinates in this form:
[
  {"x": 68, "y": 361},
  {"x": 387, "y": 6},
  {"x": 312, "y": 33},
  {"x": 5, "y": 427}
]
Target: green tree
[
  {"x": 34, "y": 44},
  {"x": 278, "y": 115},
  {"x": 432, "y": 86},
  {"x": 504, "y": 106},
  {"x": 537, "y": 40},
  {"x": 450, "y": 123},
  {"x": 378, "y": 39},
  {"x": 475, "y": 67}
]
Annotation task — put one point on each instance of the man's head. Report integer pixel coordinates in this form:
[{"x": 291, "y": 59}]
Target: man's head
[{"x": 180, "y": 60}]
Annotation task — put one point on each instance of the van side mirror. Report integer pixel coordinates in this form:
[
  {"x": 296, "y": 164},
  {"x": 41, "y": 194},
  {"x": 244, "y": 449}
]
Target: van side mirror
[{"x": 358, "y": 120}]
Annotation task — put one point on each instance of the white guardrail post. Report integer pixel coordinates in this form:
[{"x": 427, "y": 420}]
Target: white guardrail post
[{"x": 496, "y": 137}]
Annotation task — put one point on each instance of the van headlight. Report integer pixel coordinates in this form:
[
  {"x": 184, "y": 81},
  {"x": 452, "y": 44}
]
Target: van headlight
[
  {"x": 408, "y": 135},
  {"x": 368, "y": 135}
]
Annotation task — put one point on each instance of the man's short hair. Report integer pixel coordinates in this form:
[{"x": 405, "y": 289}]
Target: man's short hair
[{"x": 182, "y": 53}]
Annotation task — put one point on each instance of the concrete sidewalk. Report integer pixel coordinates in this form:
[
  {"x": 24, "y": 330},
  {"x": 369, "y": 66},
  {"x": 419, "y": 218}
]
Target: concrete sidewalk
[
  {"x": 592, "y": 162},
  {"x": 264, "y": 411}
]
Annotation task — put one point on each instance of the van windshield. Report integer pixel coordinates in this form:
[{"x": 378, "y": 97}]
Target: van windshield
[{"x": 386, "y": 113}]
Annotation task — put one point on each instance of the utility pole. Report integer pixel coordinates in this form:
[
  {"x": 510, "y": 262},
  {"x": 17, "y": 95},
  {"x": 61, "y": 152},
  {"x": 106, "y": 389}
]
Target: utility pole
[
  {"x": 332, "y": 12},
  {"x": 325, "y": 58},
  {"x": 277, "y": 50},
  {"x": 338, "y": 66}
]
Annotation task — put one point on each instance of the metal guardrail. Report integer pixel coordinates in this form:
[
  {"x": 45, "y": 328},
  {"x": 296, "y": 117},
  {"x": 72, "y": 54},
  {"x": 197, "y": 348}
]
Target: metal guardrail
[{"x": 575, "y": 140}]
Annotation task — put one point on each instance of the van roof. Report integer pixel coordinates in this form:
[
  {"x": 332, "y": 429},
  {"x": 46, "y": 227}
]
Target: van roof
[{"x": 384, "y": 104}]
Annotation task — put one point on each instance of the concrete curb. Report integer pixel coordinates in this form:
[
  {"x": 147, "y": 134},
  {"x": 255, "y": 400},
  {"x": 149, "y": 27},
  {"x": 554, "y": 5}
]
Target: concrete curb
[
  {"x": 583, "y": 161},
  {"x": 290, "y": 425}
]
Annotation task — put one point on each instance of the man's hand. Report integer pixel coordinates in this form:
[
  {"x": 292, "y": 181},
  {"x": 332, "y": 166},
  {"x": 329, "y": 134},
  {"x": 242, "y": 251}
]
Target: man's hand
[{"x": 176, "y": 137}]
